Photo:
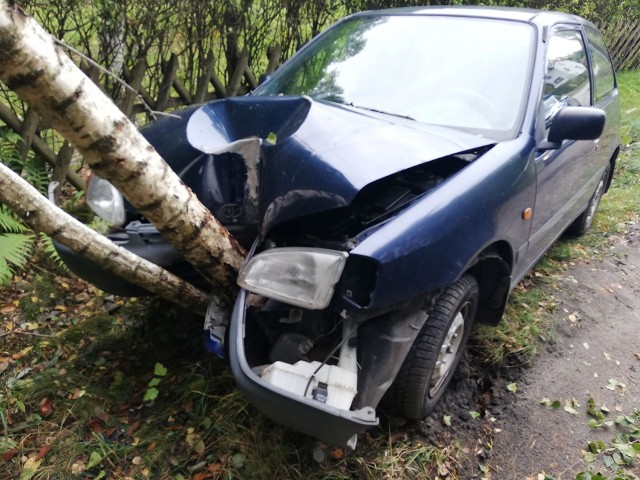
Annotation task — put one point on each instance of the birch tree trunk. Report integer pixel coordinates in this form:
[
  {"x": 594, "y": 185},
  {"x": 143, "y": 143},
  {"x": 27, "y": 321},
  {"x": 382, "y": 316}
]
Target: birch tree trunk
[
  {"x": 43, "y": 75},
  {"x": 43, "y": 216}
]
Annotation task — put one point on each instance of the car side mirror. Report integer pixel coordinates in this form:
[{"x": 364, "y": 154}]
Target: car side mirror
[{"x": 574, "y": 123}]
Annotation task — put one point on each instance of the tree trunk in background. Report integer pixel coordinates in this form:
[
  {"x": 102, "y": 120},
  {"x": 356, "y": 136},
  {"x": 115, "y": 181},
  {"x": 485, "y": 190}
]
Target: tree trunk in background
[
  {"x": 45, "y": 77},
  {"x": 43, "y": 216}
]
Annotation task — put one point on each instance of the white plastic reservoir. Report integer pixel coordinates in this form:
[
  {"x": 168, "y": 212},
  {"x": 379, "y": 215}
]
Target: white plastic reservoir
[{"x": 341, "y": 379}]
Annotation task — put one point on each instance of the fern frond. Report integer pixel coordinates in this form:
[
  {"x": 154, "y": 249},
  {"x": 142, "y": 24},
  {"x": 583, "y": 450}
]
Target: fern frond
[
  {"x": 51, "y": 252},
  {"x": 9, "y": 223},
  {"x": 14, "y": 253}
]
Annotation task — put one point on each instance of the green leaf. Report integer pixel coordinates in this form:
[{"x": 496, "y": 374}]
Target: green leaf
[
  {"x": 159, "y": 370},
  {"x": 272, "y": 138},
  {"x": 614, "y": 384},
  {"x": 474, "y": 414},
  {"x": 594, "y": 423},
  {"x": 155, "y": 381},
  {"x": 150, "y": 394},
  {"x": 238, "y": 460},
  {"x": 30, "y": 468},
  {"x": 556, "y": 404},
  {"x": 512, "y": 387},
  {"x": 9, "y": 222},
  {"x": 94, "y": 459},
  {"x": 568, "y": 407},
  {"x": 14, "y": 253},
  {"x": 100, "y": 475},
  {"x": 206, "y": 423},
  {"x": 608, "y": 461}
]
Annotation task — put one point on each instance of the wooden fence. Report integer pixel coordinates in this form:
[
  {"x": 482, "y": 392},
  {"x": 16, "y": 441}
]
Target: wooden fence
[
  {"x": 171, "y": 93},
  {"x": 623, "y": 40}
]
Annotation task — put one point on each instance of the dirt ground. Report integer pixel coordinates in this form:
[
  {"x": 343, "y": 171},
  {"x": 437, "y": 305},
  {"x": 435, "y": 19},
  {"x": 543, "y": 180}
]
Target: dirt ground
[{"x": 597, "y": 343}]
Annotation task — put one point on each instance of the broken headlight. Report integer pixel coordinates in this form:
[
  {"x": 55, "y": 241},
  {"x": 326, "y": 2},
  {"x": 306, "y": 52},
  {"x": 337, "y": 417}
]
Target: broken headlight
[
  {"x": 105, "y": 200},
  {"x": 304, "y": 277}
]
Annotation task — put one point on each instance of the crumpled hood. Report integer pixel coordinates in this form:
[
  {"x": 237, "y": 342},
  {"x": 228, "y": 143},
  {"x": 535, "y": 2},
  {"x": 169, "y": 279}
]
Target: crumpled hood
[{"x": 315, "y": 156}]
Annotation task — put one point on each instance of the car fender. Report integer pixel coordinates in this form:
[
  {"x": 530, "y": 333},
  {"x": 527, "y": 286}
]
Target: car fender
[{"x": 431, "y": 244}]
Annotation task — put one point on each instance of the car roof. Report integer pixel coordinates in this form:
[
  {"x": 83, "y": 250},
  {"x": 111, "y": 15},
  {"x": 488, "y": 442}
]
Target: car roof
[{"x": 538, "y": 17}]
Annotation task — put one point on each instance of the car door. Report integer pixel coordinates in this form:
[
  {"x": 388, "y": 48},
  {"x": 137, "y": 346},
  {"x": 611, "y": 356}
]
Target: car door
[
  {"x": 561, "y": 173},
  {"x": 605, "y": 93}
]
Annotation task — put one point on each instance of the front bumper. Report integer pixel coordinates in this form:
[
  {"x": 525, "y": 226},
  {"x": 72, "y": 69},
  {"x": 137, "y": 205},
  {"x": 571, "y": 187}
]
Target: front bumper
[{"x": 329, "y": 424}]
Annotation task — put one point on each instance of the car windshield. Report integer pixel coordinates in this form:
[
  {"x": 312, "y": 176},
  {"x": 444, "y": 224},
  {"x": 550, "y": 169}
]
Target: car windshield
[{"x": 467, "y": 73}]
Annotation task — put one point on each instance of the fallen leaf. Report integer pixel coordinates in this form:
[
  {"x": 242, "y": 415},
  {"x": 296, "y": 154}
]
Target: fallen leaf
[
  {"x": 202, "y": 476},
  {"x": 29, "y": 468},
  {"x": 101, "y": 414},
  {"x": 95, "y": 425},
  {"x": 4, "y": 364},
  {"x": 133, "y": 428},
  {"x": 159, "y": 370},
  {"x": 238, "y": 460},
  {"x": 46, "y": 406},
  {"x": 194, "y": 440},
  {"x": 42, "y": 452},
  {"x": 9, "y": 454},
  {"x": 150, "y": 394},
  {"x": 94, "y": 459},
  {"x": 336, "y": 453},
  {"x": 137, "y": 460},
  {"x": 78, "y": 467},
  {"x": 447, "y": 420}
]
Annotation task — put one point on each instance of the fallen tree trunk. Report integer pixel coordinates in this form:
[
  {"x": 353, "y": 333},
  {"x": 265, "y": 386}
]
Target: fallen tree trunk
[
  {"x": 45, "y": 77},
  {"x": 43, "y": 216}
]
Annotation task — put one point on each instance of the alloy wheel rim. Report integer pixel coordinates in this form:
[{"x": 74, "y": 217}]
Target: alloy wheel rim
[
  {"x": 596, "y": 202},
  {"x": 448, "y": 352}
]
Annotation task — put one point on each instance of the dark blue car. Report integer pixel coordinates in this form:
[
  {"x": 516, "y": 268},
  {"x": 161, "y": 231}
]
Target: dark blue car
[{"x": 392, "y": 182}]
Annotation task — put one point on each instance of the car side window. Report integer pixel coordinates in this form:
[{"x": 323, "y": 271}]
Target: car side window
[
  {"x": 601, "y": 63},
  {"x": 566, "y": 79}
]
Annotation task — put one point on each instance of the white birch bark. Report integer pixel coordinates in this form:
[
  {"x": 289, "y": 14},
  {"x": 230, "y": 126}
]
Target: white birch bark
[
  {"x": 45, "y": 77},
  {"x": 43, "y": 216}
]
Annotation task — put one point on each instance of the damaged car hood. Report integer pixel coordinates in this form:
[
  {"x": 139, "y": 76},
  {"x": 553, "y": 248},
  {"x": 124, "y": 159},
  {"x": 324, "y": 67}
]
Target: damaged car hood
[{"x": 304, "y": 156}]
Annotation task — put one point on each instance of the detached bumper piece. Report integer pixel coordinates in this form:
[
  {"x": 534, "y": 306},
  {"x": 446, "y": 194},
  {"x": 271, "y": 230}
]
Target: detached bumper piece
[
  {"x": 310, "y": 397},
  {"x": 142, "y": 239}
]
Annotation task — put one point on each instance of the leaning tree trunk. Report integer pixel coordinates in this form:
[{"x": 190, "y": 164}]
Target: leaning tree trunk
[
  {"x": 45, "y": 77},
  {"x": 43, "y": 216}
]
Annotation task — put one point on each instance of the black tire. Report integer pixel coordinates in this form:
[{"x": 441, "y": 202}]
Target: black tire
[
  {"x": 416, "y": 389},
  {"x": 583, "y": 223}
]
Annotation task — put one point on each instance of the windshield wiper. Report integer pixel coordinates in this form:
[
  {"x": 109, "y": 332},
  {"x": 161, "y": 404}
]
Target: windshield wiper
[{"x": 381, "y": 111}]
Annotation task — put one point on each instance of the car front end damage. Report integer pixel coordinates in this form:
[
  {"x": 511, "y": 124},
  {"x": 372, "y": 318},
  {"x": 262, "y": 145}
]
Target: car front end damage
[
  {"x": 312, "y": 341},
  {"x": 308, "y": 343}
]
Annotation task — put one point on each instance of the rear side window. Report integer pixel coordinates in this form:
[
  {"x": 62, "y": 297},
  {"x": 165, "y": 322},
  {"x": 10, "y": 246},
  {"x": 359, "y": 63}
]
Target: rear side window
[{"x": 601, "y": 64}]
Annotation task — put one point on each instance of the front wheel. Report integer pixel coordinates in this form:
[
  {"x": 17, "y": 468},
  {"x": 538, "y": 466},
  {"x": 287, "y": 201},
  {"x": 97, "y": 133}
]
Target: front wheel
[{"x": 435, "y": 353}]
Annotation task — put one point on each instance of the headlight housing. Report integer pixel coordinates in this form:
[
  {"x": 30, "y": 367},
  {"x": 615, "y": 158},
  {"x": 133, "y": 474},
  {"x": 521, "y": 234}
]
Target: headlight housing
[
  {"x": 105, "y": 200},
  {"x": 304, "y": 277}
]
